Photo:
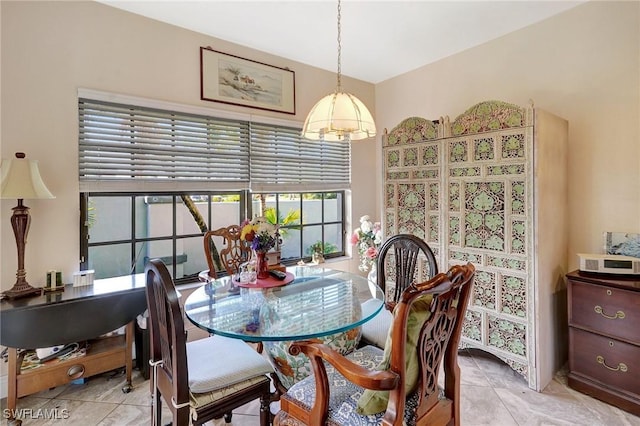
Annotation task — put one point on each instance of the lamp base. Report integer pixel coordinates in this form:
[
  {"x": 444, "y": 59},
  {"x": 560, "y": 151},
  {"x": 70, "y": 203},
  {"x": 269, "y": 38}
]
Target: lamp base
[
  {"x": 22, "y": 289},
  {"x": 20, "y": 220}
]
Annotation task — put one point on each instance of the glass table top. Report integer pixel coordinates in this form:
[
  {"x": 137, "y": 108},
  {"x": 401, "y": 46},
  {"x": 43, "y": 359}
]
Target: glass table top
[{"x": 319, "y": 302}]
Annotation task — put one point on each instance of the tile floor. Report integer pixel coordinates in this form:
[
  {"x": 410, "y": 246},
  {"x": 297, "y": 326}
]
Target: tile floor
[{"x": 492, "y": 394}]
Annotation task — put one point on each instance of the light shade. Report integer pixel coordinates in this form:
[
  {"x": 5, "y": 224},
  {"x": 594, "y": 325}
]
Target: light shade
[
  {"x": 339, "y": 116},
  {"x": 21, "y": 179}
]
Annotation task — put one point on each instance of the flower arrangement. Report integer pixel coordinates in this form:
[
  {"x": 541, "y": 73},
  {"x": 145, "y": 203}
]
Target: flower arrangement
[
  {"x": 367, "y": 238},
  {"x": 262, "y": 235}
]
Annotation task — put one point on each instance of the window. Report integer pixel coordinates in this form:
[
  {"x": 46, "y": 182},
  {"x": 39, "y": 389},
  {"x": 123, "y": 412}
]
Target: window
[
  {"x": 308, "y": 221},
  {"x": 121, "y": 231},
  {"x": 152, "y": 180}
]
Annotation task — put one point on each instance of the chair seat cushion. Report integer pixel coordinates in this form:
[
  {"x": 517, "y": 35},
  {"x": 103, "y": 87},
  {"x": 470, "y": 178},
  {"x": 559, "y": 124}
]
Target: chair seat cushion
[
  {"x": 202, "y": 399},
  {"x": 376, "y": 329},
  {"x": 218, "y": 362},
  {"x": 344, "y": 395}
]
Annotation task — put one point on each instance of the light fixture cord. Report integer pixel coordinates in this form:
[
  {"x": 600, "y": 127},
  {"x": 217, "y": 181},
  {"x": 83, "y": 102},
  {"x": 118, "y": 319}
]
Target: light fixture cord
[{"x": 339, "y": 87}]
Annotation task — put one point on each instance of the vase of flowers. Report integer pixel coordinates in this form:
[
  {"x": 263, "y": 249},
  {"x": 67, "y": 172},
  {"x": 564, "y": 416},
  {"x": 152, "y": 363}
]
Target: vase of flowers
[
  {"x": 367, "y": 239},
  {"x": 262, "y": 236}
]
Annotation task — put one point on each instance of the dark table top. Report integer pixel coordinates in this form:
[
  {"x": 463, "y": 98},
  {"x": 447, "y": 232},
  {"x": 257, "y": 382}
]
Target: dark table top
[{"x": 72, "y": 315}]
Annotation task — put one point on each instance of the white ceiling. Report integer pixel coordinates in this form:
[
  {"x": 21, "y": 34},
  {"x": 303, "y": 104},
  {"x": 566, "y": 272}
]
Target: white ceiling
[{"x": 380, "y": 39}]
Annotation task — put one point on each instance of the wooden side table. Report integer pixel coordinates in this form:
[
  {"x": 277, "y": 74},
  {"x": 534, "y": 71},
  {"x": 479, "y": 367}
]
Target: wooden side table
[
  {"x": 75, "y": 315},
  {"x": 604, "y": 338},
  {"x": 104, "y": 354}
]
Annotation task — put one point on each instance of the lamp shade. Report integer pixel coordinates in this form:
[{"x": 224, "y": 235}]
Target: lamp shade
[
  {"x": 21, "y": 179},
  {"x": 337, "y": 117}
]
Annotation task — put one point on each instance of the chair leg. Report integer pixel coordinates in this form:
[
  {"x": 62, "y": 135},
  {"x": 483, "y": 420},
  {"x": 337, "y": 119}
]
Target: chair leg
[
  {"x": 265, "y": 411},
  {"x": 182, "y": 416},
  {"x": 227, "y": 417},
  {"x": 156, "y": 398},
  {"x": 156, "y": 409}
]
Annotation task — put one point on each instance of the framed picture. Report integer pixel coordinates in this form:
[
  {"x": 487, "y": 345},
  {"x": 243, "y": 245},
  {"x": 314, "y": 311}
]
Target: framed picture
[
  {"x": 233, "y": 80},
  {"x": 622, "y": 243}
]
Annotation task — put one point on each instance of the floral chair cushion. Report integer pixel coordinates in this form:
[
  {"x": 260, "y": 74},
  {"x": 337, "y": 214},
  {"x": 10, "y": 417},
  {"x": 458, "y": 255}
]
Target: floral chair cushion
[
  {"x": 344, "y": 394},
  {"x": 293, "y": 368}
]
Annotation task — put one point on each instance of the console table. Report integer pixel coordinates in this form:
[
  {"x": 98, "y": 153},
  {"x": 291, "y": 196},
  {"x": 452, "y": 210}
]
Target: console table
[{"x": 73, "y": 315}]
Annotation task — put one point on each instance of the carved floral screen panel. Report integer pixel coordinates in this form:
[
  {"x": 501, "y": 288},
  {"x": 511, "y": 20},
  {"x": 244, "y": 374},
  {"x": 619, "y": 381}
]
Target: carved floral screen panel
[
  {"x": 467, "y": 190},
  {"x": 487, "y": 198},
  {"x": 412, "y": 189}
]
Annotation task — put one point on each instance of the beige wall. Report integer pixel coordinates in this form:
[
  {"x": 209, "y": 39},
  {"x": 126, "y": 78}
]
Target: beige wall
[
  {"x": 582, "y": 65},
  {"x": 50, "y": 49}
]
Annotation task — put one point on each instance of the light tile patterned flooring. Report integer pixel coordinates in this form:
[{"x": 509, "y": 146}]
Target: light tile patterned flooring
[{"x": 492, "y": 394}]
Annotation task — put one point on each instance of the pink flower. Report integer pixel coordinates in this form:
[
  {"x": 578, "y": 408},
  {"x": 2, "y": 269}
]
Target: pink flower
[
  {"x": 371, "y": 252},
  {"x": 354, "y": 238}
]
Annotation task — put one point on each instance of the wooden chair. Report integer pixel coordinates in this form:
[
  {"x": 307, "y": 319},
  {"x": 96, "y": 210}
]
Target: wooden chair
[
  {"x": 328, "y": 397},
  {"x": 402, "y": 259},
  {"x": 200, "y": 380},
  {"x": 234, "y": 252}
]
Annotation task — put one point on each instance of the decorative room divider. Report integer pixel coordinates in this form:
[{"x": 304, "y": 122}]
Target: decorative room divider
[{"x": 490, "y": 188}]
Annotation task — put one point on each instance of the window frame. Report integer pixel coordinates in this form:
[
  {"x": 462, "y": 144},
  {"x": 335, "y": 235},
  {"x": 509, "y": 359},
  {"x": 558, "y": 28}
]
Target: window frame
[{"x": 245, "y": 208}]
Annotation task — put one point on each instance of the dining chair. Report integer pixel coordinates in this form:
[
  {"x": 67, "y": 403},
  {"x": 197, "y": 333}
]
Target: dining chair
[
  {"x": 233, "y": 253},
  {"x": 402, "y": 260},
  {"x": 400, "y": 384},
  {"x": 201, "y": 380}
]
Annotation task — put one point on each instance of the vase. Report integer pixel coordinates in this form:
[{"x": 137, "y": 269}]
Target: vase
[
  {"x": 373, "y": 274},
  {"x": 262, "y": 265}
]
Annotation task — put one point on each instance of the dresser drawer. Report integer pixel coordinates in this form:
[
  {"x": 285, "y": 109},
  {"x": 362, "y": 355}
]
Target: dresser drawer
[
  {"x": 606, "y": 310},
  {"x": 605, "y": 360}
]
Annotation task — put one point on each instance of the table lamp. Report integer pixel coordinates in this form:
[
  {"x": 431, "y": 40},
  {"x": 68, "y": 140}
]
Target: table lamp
[{"x": 21, "y": 179}]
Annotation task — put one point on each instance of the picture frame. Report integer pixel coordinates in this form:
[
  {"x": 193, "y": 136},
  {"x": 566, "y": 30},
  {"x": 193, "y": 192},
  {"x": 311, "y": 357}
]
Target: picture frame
[
  {"x": 234, "y": 80},
  {"x": 622, "y": 243}
]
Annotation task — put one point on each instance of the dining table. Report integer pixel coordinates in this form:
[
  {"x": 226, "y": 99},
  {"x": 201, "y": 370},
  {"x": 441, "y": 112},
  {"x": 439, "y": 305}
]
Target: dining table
[{"x": 310, "y": 302}]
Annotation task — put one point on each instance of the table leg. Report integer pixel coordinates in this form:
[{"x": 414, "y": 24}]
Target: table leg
[
  {"x": 12, "y": 395},
  {"x": 128, "y": 357}
]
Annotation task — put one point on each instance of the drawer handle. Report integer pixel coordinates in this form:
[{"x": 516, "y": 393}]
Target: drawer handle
[
  {"x": 622, "y": 367},
  {"x": 618, "y": 314},
  {"x": 75, "y": 371}
]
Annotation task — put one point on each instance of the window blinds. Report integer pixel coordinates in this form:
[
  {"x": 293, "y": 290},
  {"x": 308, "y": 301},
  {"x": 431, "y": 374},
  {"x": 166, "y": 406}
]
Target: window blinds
[
  {"x": 124, "y": 147},
  {"x": 133, "y": 148},
  {"x": 281, "y": 160}
]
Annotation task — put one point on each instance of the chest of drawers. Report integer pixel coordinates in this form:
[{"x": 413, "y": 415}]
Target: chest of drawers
[{"x": 604, "y": 338}]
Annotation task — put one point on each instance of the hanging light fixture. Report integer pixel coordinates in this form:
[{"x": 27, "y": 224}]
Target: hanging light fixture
[{"x": 339, "y": 116}]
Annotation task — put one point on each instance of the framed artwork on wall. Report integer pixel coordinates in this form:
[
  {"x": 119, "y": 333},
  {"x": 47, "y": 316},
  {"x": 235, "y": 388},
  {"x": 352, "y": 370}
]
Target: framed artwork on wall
[{"x": 233, "y": 80}]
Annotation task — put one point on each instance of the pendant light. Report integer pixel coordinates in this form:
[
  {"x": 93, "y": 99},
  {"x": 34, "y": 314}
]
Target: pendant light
[{"x": 339, "y": 116}]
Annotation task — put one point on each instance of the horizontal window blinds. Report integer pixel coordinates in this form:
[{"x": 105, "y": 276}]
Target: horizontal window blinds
[
  {"x": 135, "y": 148},
  {"x": 281, "y": 160},
  {"x": 123, "y": 147}
]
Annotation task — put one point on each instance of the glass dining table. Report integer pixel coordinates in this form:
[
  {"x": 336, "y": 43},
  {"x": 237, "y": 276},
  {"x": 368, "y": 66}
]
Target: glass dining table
[{"x": 317, "y": 303}]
